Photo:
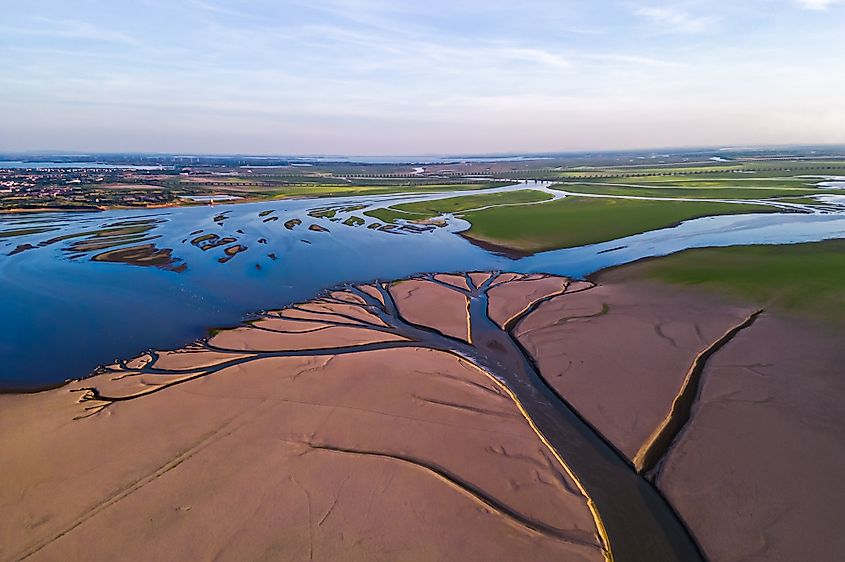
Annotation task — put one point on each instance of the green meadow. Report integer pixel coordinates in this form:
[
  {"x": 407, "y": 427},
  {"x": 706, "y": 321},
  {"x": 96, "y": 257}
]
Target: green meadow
[
  {"x": 732, "y": 191},
  {"x": 807, "y": 279},
  {"x": 345, "y": 190},
  {"x": 576, "y": 221},
  {"x": 429, "y": 209}
]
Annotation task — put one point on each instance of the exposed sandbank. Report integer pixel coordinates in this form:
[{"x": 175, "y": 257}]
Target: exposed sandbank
[
  {"x": 384, "y": 454},
  {"x": 319, "y": 431}
]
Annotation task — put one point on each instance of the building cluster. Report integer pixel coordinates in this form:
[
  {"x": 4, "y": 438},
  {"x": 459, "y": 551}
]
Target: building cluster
[{"x": 45, "y": 183}]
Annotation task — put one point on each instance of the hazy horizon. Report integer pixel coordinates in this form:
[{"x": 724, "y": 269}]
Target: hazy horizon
[
  {"x": 504, "y": 154},
  {"x": 377, "y": 78}
]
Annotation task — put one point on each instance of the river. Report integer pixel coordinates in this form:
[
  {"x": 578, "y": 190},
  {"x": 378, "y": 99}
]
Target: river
[{"x": 64, "y": 313}]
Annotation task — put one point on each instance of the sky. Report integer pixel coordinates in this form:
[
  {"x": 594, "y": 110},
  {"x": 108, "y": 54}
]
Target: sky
[{"x": 367, "y": 77}]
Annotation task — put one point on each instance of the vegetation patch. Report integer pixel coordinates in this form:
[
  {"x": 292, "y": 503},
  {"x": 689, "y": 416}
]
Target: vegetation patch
[
  {"x": 354, "y": 221},
  {"x": 429, "y": 209},
  {"x": 346, "y": 190},
  {"x": 460, "y": 204},
  {"x": 683, "y": 191},
  {"x": 576, "y": 221},
  {"x": 389, "y": 215},
  {"x": 800, "y": 278}
]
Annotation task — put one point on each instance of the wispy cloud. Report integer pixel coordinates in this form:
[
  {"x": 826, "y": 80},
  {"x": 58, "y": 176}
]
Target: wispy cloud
[
  {"x": 70, "y": 29},
  {"x": 673, "y": 19},
  {"x": 819, "y": 5},
  {"x": 631, "y": 59},
  {"x": 485, "y": 55},
  {"x": 217, "y": 9}
]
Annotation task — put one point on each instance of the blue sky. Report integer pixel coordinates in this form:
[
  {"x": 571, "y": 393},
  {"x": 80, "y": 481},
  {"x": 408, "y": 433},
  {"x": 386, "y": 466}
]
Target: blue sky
[{"x": 401, "y": 77}]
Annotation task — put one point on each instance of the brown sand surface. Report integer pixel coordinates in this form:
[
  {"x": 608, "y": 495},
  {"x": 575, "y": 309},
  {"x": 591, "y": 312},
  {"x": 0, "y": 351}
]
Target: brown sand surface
[
  {"x": 504, "y": 278},
  {"x": 237, "y": 448},
  {"x": 478, "y": 278},
  {"x": 347, "y": 297},
  {"x": 341, "y": 308},
  {"x": 226, "y": 468},
  {"x": 250, "y": 339},
  {"x": 435, "y": 306},
  {"x": 758, "y": 471},
  {"x": 458, "y": 281},
  {"x": 279, "y": 321},
  {"x": 755, "y": 473},
  {"x": 513, "y": 297},
  {"x": 395, "y": 454},
  {"x": 370, "y": 290},
  {"x": 185, "y": 358},
  {"x": 619, "y": 352}
]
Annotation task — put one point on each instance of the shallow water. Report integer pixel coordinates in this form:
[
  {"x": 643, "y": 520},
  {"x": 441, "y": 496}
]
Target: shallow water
[{"x": 73, "y": 298}]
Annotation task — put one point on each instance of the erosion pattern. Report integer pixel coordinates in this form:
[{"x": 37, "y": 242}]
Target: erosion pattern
[{"x": 404, "y": 420}]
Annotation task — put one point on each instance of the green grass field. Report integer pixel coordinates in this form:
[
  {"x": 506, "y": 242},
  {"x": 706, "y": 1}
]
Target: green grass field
[
  {"x": 800, "y": 200},
  {"x": 682, "y": 191},
  {"x": 738, "y": 169},
  {"x": 469, "y": 202},
  {"x": 429, "y": 209},
  {"x": 390, "y": 216},
  {"x": 731, "y": 180},
  {"x": 576, "y": 221},
  {"x": 802, "y": 278},
  {"x": 345, "y": 190}
]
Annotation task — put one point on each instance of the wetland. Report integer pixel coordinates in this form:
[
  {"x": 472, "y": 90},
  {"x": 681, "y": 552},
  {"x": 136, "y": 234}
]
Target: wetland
[{"x": 549, "y": 364}]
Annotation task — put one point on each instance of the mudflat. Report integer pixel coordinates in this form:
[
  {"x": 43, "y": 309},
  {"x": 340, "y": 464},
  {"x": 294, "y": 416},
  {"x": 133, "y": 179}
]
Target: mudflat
[
  {"x": 411, "y": 421},
  {"x": 759, "y": 468},
  {"x": 231, "y": 450}
]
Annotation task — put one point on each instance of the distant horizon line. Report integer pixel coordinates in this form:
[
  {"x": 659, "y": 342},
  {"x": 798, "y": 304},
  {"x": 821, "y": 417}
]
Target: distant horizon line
[{"x": 497, "y": 154}]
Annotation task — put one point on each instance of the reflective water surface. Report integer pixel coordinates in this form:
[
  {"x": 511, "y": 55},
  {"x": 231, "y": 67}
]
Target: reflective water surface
[{"x": 80, "y": 289}]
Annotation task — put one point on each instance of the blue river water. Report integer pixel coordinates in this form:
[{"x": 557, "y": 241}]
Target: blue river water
[{"x": 65, "y": 311}]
